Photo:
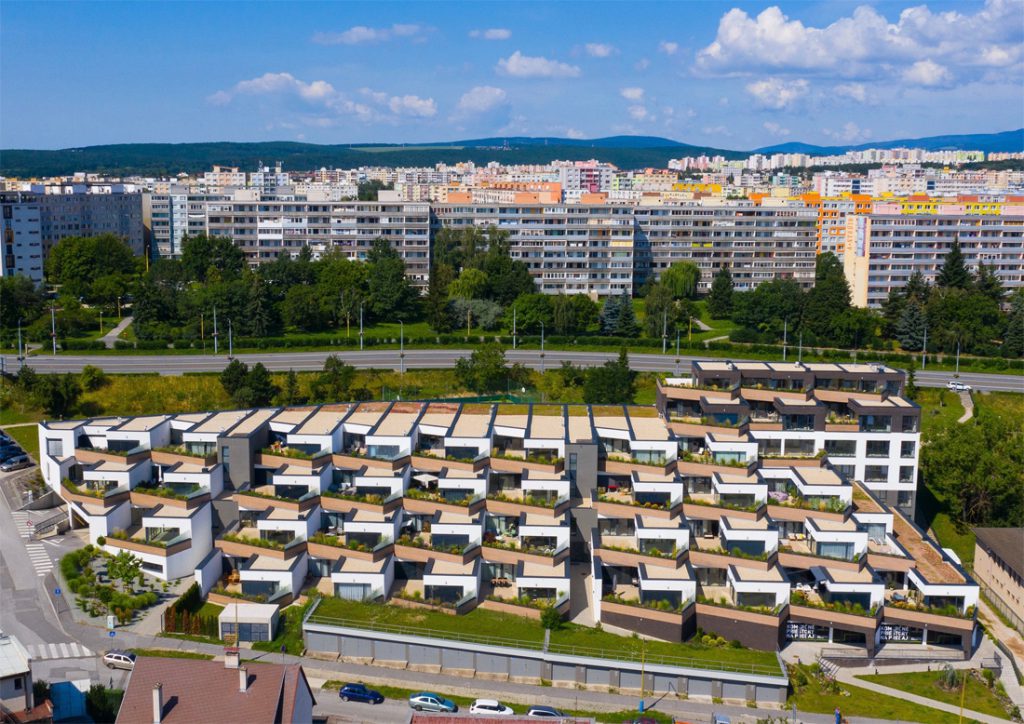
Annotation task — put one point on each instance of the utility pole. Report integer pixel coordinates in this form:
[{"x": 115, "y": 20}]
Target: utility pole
[
  {"x": 800, "y": 352},
  {"x": 542, "y": 347},
  {"x": 53, "y": 328},
  {"x": 924, "y": 349},
  {"x": 202, "y": 329},
  {"x": 231, "y": 342},
  {"x": 664, "y": 330},
  {"x": 401, "y": 346},
  {"x": 957, "y": 373},
  {"x": 21, "y": 352},
  {"x": 118, "y": 307},
  {"x": 677, "y": 351},
  {"x": 215, "y": 345},
  {"x": 513, "y": 327},
  {"x": 785, "y": 337},
  {"x": 360, "y": 325}
]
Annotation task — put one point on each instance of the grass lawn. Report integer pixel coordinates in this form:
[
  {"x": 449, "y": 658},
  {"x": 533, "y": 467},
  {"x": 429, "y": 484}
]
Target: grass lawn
[
  {"x": 815, "y": 697},
  {"x": 938, "y": 407},
  {"x": 210, "y": 610},
  {"x": 520, "y": 631},
  {"x": 27, "y": 437},
  {"x": 464, "y": 702},
  {"x": 978, "y": 697},
  {"x": 173, "y": 654},
  {"x": 289, "y": 632}
]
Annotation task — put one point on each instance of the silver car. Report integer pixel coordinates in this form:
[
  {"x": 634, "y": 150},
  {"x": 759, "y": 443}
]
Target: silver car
[{"x": 119, "y": 660}]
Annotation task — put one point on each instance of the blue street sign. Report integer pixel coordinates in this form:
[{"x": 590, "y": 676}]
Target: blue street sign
[
  {"x": 56, "y": 592},
  {"x": 112, "y": 634}
]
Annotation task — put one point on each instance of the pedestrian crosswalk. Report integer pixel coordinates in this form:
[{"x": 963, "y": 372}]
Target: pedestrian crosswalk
[
  {"x": 21, "y": 523},
  {"x": 69, "y": 650},
  {"x": 41, "y": 560}
]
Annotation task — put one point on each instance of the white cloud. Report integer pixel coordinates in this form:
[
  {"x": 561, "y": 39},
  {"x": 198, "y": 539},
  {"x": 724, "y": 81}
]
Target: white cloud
[
  {"x": 574, "y": 134},
  {"x": 865, "y": 44},
  {"x": 853, "y": 91},
  {"x": 491, "y": 34},
  {"x": 364, "y": 34},
  {"x": 481, "y": 99},
  {"x": 927, "y": 73},
  {"x": 632, "y": 94},
  {"x": 849, "y": 133},
  {"x": 716, "y": 131},
  {"x": 600, "y": 50},
  {"x": 276, "y": 83},
  {"x": 775, "y": 129},
  {"x": 776, "y": 93},
  {"x": 409, "y": 105},
  {"x": 668, "y": 47},
  {"x": 526, "y": 66},
  {"x": 637, "y": 113}
]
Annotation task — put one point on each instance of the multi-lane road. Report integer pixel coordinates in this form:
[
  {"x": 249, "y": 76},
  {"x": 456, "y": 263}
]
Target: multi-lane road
[{"x": 174, "y": 364}]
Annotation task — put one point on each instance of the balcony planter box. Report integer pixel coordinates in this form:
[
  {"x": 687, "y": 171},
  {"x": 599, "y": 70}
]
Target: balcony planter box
[
  {"x": 278, "y": 461},
  {"x": 98, "y": 456},
  {"x": 147, "y": 500},
  {"x": 343, "y": 504},
  {"x": 764, "y": 425},
  {"x": 162, "y": 457},
  {"x": 107, "y": 501},
  {"x": 691, "y": 467},
  {"x": 793, "y": 462},
  {"x": 330, "y": 552},
  {"x": 240, "y": 549},
  {"x": 631, "y": 559},
  {"x": 789, "y": 512},
  {"x": 250, "y": 501},
  {"x": 515, "y": 466},
  {"x": 922, "y": 619},
  {"x": 419, "y": 505},
  {"x": 792, "y": 559},
  {"x": 142, "y": 546},
  {"x": 711, "y": 511},
  {"x": 423, "y": 555},
  {"x": 838, "y": 619},
  {"x": 432, "y": 464},
  {"x": 355, "y": 462},
  {"x": 841, "y": 427},
  {"x": 509, "y": 607},
  {"x": 625, "y": 510},
  {"x": 506, "y": 555},
  {"x": 710, "y": 559},
  {"x": 512, "y": 507}
]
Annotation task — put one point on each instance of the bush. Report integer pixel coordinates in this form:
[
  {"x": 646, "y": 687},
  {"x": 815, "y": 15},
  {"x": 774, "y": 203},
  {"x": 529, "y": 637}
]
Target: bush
[
  {"x": 551, "y": 619},
  {"x": 101, "y": 541},
  {"x": 92, "y": 378}
]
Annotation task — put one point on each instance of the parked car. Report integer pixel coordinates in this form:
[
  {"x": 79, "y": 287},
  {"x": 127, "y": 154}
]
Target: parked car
[
  {"x": 359, "y": 692},
  {"x": 9, "y": 451},
  {"x": 16, "y": 463},
  {"x": 545, "y": 712},
  {"x": 119, "y": 660},
  {"x": 957, "y": 386},
  {"x": 490, "y": 707},
  {"x": 425, "y": 701}
]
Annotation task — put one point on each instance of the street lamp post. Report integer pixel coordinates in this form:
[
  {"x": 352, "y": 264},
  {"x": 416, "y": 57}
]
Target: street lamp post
[
  {"x": 542, "y": 347},
  {"x": 53, "y": 328},
  {"x": 957, "y": 373},
  {"x": 677, "y": 351},
  {"x": 21, "y": 352},
  {"x": 216, "y": 346},
  {"x": 360, "y": 325},
  {"x": 231, "y": 342},
  {"x": 664, "y": 330},
  {"x": 119, "y": 308},
  {"x": 513, "y": 327},
  {"x": 401, "y": 346},
  {"x": 785, "y": 337}
]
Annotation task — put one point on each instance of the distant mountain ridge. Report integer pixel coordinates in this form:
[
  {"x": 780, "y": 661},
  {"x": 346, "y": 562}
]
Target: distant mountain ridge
[{"x": 629, "y": 152}]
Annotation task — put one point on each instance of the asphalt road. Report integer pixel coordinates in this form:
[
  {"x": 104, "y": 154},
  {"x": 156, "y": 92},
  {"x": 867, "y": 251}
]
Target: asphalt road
[{"x": 423, "y": 359}]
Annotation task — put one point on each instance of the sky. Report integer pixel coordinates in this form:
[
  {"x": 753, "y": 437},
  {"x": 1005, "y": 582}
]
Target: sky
[{"x": 735, "y": 75}]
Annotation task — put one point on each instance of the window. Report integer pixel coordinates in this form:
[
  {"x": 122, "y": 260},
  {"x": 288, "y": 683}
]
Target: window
[
  {"x": 841, "y": 448},
  {"x": 910, "y": 424},
  {"x": 905, "y": 498},
  {"x": 876, "y": 473},
  {"x": 799, "y": 447},
  {"x": 17, "y": 684},
  {"x": 55, "y": 448},
  {"x": 906, "y": 473},
  {"x": 771, "y": 446},
  {"x": 878, "y": 449},
  {"x": 908, "y": 448}
]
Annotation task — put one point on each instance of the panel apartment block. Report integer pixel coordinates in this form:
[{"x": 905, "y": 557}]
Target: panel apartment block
[
  {"x": 21, "y": 244},
  {"x": 91, "y": 214},
  {"x": 758, "y": 243},
  {"x": 884, "y": 248}
]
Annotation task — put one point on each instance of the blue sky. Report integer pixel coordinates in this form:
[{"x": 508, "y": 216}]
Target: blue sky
[{"x": 726, "y": 74}]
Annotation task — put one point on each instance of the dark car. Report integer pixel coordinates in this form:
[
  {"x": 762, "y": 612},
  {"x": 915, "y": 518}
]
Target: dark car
[
  {"x": 358, "y": 692},
  {"x": 10, "y": 451},
  {"x": 18, "y": 462}
]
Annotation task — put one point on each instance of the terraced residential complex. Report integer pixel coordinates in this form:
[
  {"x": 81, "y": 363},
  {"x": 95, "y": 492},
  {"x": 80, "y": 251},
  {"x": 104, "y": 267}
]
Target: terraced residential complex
[{"x": 766, "y": 502}]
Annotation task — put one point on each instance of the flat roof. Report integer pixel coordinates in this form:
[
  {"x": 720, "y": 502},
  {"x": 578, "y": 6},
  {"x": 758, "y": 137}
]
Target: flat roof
[
  {"x": 267, "y": 563},
  {"x": 64, "y": 424},
  {"x": 324, "y": 421},
  {"x": 542, "y": 519},
  {"x": 772, "y": 575},
  {"x": 744, "y": 524},
  {"x": 450, "y": 568},
  {"x": 220, "y": 422},
  {"x": 818, "y": 476},
  {"x": 293, "y": 415},
  {"x": 264, "y": 611},
  {"x": 357, "y": 565},
  {"x": 648, "y": 428},
  {"x": 580, "y": 429},
  {"x": 548, "y": 427},
  {"x": 836, "y": 526},
  {"x": 252, "y": 422},
  {"x": 542, "y": 570},
  {"x": 471, "y": 425},
  {"x": 840, "y": 575},
  {"x": 14, "y": 658},
  {"x": 368, "y": 413},
  {"x": 398, "y": 423},
  {"x": 142, "y": 424}
]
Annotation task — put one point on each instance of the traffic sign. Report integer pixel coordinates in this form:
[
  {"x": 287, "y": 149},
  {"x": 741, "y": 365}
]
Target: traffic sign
[
  {"x": 56, "y": 592},
  {"x": 112, "y": 634}
]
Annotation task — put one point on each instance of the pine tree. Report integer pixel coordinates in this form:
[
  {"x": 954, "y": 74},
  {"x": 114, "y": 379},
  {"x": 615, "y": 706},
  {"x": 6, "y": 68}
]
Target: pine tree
[
  {"x": 989, "y": 284},
  {"x": 954, "y": 272},
  {"x": 610, "y": 316},
  {"x": 1013, "y": 338},
  {"x": 910, "y": 389},
  {"x": 626, "y": 325},
  {"x": 290, "y": 393},
  {"x": 719, "y": 300},
  {"x": 910, "y": 330}
]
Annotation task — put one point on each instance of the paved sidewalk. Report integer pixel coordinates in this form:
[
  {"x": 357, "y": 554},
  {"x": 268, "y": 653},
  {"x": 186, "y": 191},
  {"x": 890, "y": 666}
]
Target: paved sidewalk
[
  {"x": 113, "y": 335},
  {"x": 968, "y": 403}
]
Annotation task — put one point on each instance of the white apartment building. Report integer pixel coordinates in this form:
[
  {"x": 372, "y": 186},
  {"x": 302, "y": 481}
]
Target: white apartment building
[{"x": 21, "y": 230}]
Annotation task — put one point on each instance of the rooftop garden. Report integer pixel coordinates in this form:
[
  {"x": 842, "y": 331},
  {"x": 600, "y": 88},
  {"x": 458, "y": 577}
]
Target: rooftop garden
[
  {"x": 723, "y": 602},
  {"x": 162, "y": 491},
  {"x": 633, "y": 502},
  {"x": 800, "y": 598},
  {"x": 289, "y": 452},
  {"x": 338, "y": 542},
  {"x": 537, "y": 501},
  {"x": 257, "y": 542},
  {"x": 659, "y": 605},
  {"x": 420, "y": 542}
]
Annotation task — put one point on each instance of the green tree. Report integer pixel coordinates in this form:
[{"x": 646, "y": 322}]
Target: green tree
[
  {"x": 56, "y": 394},
  {"x": 92, "y": 378},
  {"x": 76, "y": 262},
  {"x": 507, "y": 278},
  {"x": 471, "y": 284},
  {"x": 436, "y": 303},
  {"x": 910, "y": 331},
  {"x": 234, "y": 377},
  {"x": 827, "y": 301},
  {"x": 610, "y": 315},
  {"x": 304, "y": 308},
  {"x": 954, "y": 273},
  {"x": 368, "y": 190},
  {"x": 19, "y": 299},
  {"x": 290, "y": 392},
  {"x": 988, "y": 284},
  {"x": 201, "y": 254},
  {"x": 259, "y": 388},
  {"x": 910, "y": 389},
  {"x": 1013, "y": 334},
  {"x": 662, "y": 314},
  {"x": 261, "y": 318},
  {"x": 124, "y": 567},
  {"x": 389, "y": 294},
  {"x": 341, "y": 284},
  {"x": 612, "y": 383},
  {"x": 719, "y": 299},
  {"x": 485, "y": 370},
  {"x": 530, "y": 311},
  {"x": 572, "y": 313},
  {"x": 681, "y": 279},
  {"x": 334, "y": 383}
]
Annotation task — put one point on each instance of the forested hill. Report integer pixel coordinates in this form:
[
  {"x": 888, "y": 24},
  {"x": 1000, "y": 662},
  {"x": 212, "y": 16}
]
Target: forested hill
[{"x": 168, "y": 158}]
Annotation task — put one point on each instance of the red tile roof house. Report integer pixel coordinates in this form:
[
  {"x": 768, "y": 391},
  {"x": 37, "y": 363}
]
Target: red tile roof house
[{"x": 188, "y": 691}]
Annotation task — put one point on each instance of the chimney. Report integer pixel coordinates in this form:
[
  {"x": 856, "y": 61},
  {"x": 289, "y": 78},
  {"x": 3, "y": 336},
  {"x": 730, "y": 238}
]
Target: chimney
[
  {"x": 232, "y": 657},
  {"x": 243, "y": 679},
  {"x": 158, "y": 703}
]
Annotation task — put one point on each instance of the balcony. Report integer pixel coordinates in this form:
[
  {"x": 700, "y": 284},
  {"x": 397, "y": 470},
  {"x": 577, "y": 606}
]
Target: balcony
[
  {"x": 271, "y": 496},
  {"x": 159, "y": 541},
  {"x": 106, "y": 493},
  {"x": 421, "y": 548},
  {"x": 245, "y": 541},
  {"x": 201, "y": 455},
  {"x": 513, "y": 501},
  {"x": 179, "y": 495},
  {"x": 333, "y": 547}
]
